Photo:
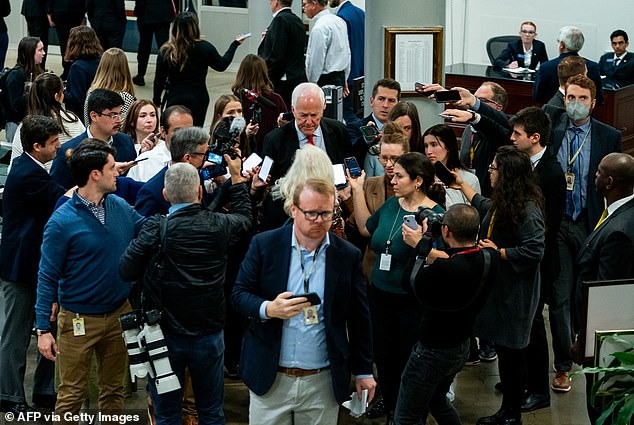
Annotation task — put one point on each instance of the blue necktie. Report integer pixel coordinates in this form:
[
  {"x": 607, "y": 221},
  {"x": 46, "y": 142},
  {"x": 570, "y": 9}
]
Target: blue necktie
[{"x": 573, "y": 197}]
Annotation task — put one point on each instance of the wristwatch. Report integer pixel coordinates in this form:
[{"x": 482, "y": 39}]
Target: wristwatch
[{"x": 41, "y": 332}]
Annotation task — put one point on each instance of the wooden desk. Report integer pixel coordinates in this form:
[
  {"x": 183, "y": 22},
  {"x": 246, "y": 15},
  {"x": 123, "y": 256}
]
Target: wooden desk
[{"x": 617, "y": 110}]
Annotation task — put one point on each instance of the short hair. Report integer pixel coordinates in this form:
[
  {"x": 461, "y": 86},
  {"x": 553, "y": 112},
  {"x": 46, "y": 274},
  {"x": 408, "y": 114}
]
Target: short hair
[
  {"x": 322, "y": 3},
  {"x": 620, "y": 166},
  {"x": 37, "y": 129},
  {"x": 463, "y": 222},
  {"x": 305, "y": 89},
  {"x": 583, "y": 82},
  {"x": 569, "y": 66},
  {"x": 499, "y": 94},
  {"x": 101, "y": 99},
  {"x": 393, "y": 135},
  {"x": 571, "y": 37},
  {"x": 321, "y": 186},
  {"x": 409, "y": 109},
  {"x": 286, "y": 3},
  {"x": 182, "y": 183},
  {"x": 169, "y": 111},
  {"x": 531, "y": 23},
  {"x": 619, "y": 33},
  {"x": 445, "y": 134},
  {"x": 388, "y": 83},
  {"x": 534, "y": 121},
  {"x": 185, "y": 140},
  {"x": 91, "y": 154}
]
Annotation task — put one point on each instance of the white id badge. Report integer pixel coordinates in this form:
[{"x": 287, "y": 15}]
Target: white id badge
[
  {"x": 570, "y": 181},
  {"x": 386, "y": 261}
]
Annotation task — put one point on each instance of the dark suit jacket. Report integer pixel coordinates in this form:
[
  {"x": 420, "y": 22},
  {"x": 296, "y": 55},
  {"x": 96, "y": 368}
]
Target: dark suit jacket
[
  {"x": 547, "y": 82},
  {"x": 557, "y": 100},
  {"x": 33, "y": 8},
  {"x": 150, "y": 200},
  {"x": 123, "y": 144},
  {"x": 28, "y": 200},
  {"x": 355, "y": 21},
  {"x": 359, "y": 145},
  {"x": 281, "y": 144},
  {"x": 283, "y": 48},
  {"x": 608, "y": 252},
  {"x": 264, "y": 274},
  {"x": 604, "y": 139},
  {"x": 620, "y": 75},
  {"x": 154, "y": 11},
  {"x": 515, "y": 52},
  {"x": 105, "y": 15}
]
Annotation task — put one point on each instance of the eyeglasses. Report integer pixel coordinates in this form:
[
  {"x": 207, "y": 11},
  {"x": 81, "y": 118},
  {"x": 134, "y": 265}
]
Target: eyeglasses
[
  {"x": 314, "y": 215},
  {"x": 527, "y": 32},
  {"x": 386, "y": 159},
  {"x": 485, "y": 100},
  {"x": 112, "y": 115},
  {"x": 492, "y": 167},
  {"x": 198, "y": 153}
]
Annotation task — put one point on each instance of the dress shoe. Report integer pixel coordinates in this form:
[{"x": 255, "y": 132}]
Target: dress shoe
[
  {"x": 561, "y": 382},
  {"x": 44, "y": 401},
  {"x": 16, "y": 408},
  {"x": 535, "y": 401},
  {"x": 502, "y": 417},
  {"x": 138, "y": 80},
  {"x": 487, "y": 353},
  {"x": 377, "y": 410}
]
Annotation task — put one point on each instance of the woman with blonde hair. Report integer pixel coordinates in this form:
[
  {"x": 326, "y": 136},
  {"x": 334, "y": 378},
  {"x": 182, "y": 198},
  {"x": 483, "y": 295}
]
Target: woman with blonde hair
[
  {"x": 113, "y": 74},
  {"x": 182, "y": 64},
  {"x": 84, "y": 51}
]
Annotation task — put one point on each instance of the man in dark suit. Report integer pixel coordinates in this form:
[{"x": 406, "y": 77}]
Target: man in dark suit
[
  {"x": 108, "y": 20},
  {"x": 618, "y": 67},
  {"x": 308, "y": 127},
  {"x": 64, "y": 15},
  {"x": 29, "y": 197},
  {"x": 608, "y": 252},
  {"x": 153, "y": 18},
  {"x": 579, "y": 142},
  {"x": 282, "y": 47},
  {"x": 386, "y": 93},
  {"x": 292, "y": 341},
  {"x": 104, "y": 108},
  {"x": 531, "y": 132},
  {"x": 546, "y": 82},
  {"x": 569, "y": 66},
  {"x": 516, "y": 53},
  {"x": 37, "y": 25}
]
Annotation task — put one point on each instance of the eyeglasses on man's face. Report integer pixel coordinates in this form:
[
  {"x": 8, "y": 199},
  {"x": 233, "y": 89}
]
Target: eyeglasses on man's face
[
  {"x": 314, "y": 215},
  {"x": 112, "y": 115}
]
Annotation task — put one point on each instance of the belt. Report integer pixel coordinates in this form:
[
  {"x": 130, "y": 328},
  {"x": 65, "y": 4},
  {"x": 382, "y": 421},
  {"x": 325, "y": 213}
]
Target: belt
[{"x": 298, "y": 373}]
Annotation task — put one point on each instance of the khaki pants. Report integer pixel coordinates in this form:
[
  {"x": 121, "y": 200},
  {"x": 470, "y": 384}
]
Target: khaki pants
[{"x": 103, "y": 338}]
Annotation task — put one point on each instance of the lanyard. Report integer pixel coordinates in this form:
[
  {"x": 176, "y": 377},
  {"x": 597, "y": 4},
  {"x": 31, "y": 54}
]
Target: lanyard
[
  {"x": 388, "y": 243},
  {"x": 472, "y": 148},
  {"x": 572, "y": 159},
  {"x": 466, "y": 251},
  {"x": 490, "y": 229},
  {"x": 312, "y": 266}
]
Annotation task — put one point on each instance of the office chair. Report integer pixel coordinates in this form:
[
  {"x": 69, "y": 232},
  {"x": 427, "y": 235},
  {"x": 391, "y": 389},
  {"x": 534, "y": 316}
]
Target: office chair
[{"x": 495, "y": 45}]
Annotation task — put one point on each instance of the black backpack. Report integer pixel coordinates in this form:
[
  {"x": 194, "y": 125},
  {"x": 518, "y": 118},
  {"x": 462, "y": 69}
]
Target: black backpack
[{"x": 4, "y": 96}]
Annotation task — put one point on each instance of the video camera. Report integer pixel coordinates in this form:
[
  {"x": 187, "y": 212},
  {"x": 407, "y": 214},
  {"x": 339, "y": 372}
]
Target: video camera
[
  {"x": 147, "y": 351},
  {"x": 434, "y": 221},
  {"x": 256, "y": 102}
]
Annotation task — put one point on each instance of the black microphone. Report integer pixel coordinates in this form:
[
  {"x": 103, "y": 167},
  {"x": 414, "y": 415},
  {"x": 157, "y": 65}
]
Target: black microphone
[{"x": 254, "y": 97}]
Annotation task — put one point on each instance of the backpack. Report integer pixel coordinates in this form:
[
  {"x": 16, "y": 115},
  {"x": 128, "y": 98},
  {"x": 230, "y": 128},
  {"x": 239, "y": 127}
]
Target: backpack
[{"x": 4, "y": 97}]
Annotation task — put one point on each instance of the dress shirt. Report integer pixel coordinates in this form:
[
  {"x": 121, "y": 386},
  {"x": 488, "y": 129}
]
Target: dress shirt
[
  {"x": 157, "y": 159},
  {"x": 535, "y": 158},
  {"x": 90, "y": 136},
  {"x": 37, "y": 162},
  {"x": 617, "y": 204},
  {"x": 528, "y": 56},
  {"x": 328, "y": 48},
  {"x": 98, "y": 210},
  {"x": 581, "y": 164},
  {"x": 276, "y": 13},
  {"x": 318, "y": 138},
  {"x": 177, "y": 207}
]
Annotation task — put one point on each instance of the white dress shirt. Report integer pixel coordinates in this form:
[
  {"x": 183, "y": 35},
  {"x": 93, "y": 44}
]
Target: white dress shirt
[{"x": 328, "y": 48}]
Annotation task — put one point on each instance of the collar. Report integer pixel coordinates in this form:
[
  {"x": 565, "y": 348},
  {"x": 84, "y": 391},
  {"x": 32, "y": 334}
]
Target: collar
[
  {"x": 89, "y": 134},
  {"x": 177, "y": 207},
  {"x": 379, "y": 124},
  {"x": 36, "y": 160},
  {"x": 562, "y": 91},
  {"x": 320, "y": 14},
  {"x": 277, "y": 13},
  {"x": 620, "y": 57},
  {"x": 584, "y": 127},
  {"x": 324, "y": 244},
  {"x": 617, "y": 204},
  {"x": 529, "y": 50},
  {"x": 535, "y": 158},
  {"x": 301, "y": 136},
  {"x": 88, "y": 203}
]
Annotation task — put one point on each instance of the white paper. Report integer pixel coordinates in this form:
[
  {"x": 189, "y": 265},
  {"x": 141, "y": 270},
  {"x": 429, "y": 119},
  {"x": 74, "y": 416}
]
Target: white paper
[
  {"x": 340, "y": 174},
  {"x": 357, "y": 407},
  {"x": 519, "y": 70}
]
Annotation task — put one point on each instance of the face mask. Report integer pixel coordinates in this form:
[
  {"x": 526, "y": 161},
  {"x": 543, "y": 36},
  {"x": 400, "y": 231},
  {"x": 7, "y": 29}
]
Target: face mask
[{"x": 577, "y": 110}]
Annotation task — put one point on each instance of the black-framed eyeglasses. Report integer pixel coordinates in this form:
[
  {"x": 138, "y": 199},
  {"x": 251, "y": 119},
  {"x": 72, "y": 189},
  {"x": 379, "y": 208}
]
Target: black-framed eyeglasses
[
  {"x": 492, "y": 167},
  {"x": 199, "y": 153},
  {"x": 485, "y": 100},
  {"x": 527, "y": 32},
  {"x": 314, "y": 215},
  {"x": 111, "y": 115}
]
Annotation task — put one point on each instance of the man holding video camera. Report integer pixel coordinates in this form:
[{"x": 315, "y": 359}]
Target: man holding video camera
[
  {"x": 185, "y": 280},
  {"x": 467, "y": 273}
]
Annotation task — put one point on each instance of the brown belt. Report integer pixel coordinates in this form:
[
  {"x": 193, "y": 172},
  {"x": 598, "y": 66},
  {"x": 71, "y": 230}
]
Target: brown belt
[{"x": 298, "y": 373}]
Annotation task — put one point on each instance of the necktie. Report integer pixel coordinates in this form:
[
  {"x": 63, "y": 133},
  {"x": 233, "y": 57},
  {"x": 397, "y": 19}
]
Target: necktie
[
  {"x": 310, "y": 139},
  {"x": 573, "y": 197},
  {"x": 601, "y": 219}
]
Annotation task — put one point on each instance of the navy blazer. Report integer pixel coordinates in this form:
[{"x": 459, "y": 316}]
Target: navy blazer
[
  {"x": 604, "y": 140},
  {"x": 264, "y": 274},
  {"x": 28, "y": 201},
  {"x": 281, "y": 143},
  {"x": 150, "y": 200},
  {"x": 547, "y": 82},
  {"x": 359, "y": 145},
  {"x": 355, "y": 21},
  {"x": 618, "y": 76},
  {"x": 515, "y": 52},
  {"x": 124, "y": 152}
]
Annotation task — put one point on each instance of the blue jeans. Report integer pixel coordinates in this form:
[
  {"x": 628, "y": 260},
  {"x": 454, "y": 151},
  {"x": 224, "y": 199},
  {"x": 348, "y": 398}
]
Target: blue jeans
[
  {"x": 204, "y": 356},
  {"x": 425, "y": 382}
]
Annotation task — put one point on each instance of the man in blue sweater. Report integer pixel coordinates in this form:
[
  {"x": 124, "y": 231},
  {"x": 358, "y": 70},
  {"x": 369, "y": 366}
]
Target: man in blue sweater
[{"x": 83, "y": 242}]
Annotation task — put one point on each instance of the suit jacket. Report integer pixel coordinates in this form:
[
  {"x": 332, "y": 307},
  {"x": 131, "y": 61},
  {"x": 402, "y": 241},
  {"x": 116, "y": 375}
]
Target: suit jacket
[
  {"x": 359, "y": 145},
  {"x": 28, "y": 200},
  {"x": 547, "y": 82},
  {"x": 33, "y": 8},
  {"x": 283, "y": 48},
  {"x": 281, "y": 144},
  {"x": 604, "y": 139},
  {"x": 557, "y": 100},
  {"x": 620, "y": 75},
  {"x": 355, "y": 21},
  {"x": 121, "y": 142},
  {"x": 105, "y": 15},
  {"x": 150, "y": 200},
  {"x": 264, "y": 274},
  {"x": 154, "y": 11},
  {"x": 515, "y": 52}
]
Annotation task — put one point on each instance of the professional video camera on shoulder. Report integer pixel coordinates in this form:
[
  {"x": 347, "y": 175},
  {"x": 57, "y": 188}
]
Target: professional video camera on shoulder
[
  {"x": 147, "y": 351},
  {"x": 225, "y": 136}
]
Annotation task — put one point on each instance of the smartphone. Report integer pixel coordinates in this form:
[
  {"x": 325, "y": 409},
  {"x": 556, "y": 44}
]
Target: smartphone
[
  {"x": 153, "y": 138},
  {"x": 287, "y": 116},
  {"x": 213, "y": 171},
  {"x": 419, "y": 89},
  {"x": 244, "y": 36},
  {"x": 265, "y": 170},
  {"x": 447, "y": 96},
  {"x": 312, "y": 297},
  {"x": 446, "y": 116},
  {"x": 340, "y": 176},
  {"x": 353, "y": 166},
  {"x": 215, "y": 158},
  {"x": 410, "y": 221},
  {"x": 251, "y": 162},
  {"x": 136, "y": 161},
  {"x": 443, "y": 173},
  {"x": 369, "y": 132}
]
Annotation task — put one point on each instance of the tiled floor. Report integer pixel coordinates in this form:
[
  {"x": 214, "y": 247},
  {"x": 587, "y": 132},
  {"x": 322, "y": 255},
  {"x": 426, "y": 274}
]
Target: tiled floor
[{"x": 474, "y": 385}]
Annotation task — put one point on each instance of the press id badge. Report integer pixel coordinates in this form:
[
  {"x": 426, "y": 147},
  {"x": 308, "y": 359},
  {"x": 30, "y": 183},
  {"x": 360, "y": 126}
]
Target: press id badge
[
  {"x": 386, "y": 262},
  {"x": 78, "y": 326},
  {"x": 570, "y": 181},
  {"x": 310, "y": 315}
]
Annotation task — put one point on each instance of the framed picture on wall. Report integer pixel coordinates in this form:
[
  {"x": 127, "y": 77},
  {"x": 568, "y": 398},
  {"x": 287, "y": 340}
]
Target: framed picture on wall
[{"x": 413, "y": 55}]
